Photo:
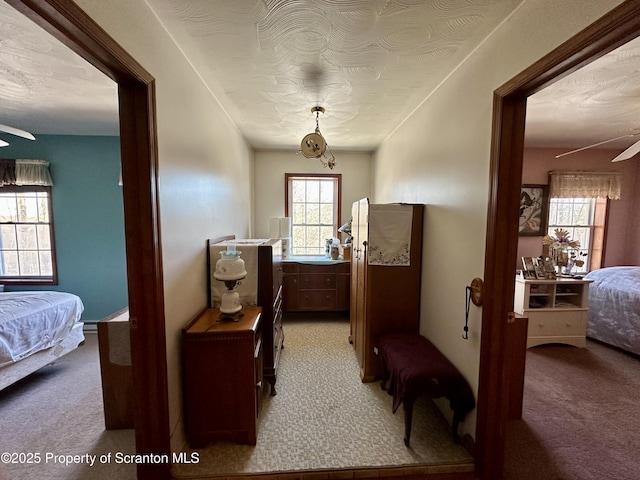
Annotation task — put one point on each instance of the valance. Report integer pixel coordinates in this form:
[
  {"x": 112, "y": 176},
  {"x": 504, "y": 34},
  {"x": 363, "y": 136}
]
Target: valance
[
  {"x": 24, "y": 172},
  {"x": 585, "y": 184}
]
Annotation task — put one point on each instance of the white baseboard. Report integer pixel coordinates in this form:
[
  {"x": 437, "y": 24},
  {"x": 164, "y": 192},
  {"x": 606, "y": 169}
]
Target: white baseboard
[{"x": 90, "y": 327}]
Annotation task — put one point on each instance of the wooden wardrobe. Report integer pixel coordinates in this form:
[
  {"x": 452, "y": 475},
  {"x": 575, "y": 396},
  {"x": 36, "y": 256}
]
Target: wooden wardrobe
[{"x": 386, "y": 271}]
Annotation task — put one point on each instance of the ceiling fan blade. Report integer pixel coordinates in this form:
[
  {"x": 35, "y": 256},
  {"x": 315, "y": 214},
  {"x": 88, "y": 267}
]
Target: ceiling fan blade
[
  {"x": 628, "y": 153},
  {"x": 596, "y": 144},
  {"x": 3, "y": 143},
  {"x": 17, "y": 132}
]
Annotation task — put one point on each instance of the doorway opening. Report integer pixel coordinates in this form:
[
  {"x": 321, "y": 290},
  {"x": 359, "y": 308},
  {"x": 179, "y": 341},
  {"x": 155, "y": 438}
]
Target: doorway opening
[
  {"x": 136, "y": 91},
  {"x": 609, "y": 32}
]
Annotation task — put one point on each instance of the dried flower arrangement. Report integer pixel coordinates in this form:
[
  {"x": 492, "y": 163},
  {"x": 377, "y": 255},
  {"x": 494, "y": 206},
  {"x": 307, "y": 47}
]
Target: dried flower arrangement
[
  {"x": 561, "y": 240},
  {"x": 564, "y": 251}
]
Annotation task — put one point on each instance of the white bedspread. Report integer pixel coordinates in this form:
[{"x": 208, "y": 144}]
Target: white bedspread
[
  {"x": 614, "y": 307},
  {"x": 34, "y": 321}
]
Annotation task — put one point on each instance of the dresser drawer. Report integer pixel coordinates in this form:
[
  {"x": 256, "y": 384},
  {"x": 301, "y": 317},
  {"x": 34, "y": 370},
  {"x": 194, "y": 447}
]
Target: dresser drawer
[
  {"x": 314, "y": 268},
  {"x": 288, "y": 267},
  {"x": 317, "y": 300},
  {"x": 567, "y": 324},
  {"x": 344, "y": 267},
  {"x": 317, "y": 282}
]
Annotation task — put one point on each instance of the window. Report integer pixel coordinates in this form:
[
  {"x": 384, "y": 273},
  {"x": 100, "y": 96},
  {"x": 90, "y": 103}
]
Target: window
[
  {"x": 26, "y": 236},
  {"x": 583, "y": 218},
  {"x": 312, "y": 202}
]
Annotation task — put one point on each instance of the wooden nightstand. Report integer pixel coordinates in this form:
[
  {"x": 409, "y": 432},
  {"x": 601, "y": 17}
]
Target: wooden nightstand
[{"x": 222, "y": 377}]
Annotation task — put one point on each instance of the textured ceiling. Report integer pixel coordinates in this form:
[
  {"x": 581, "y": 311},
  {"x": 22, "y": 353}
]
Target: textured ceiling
[
  {"x": 598, "y": 102},
  {"x": 46, "y": 88},
  {"x": 370, "y": 63}
]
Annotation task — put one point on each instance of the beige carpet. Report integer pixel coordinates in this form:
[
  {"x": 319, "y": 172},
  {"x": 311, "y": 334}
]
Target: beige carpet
[
  {"x": 324, "y": 417},
  {"x": 57, "y": 412}
]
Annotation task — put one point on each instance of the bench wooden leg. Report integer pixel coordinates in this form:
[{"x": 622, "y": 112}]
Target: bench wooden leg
[{"x": 407, "y": 404}]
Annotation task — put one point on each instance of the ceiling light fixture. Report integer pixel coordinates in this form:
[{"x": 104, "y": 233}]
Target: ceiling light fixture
[{"x": 314, "y": 145}]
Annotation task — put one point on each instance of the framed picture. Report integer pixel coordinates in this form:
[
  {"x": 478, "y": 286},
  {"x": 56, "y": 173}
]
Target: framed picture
[
  {"x": 528, "y": 268},
  {"x": 528, "y": 264},
  {"x": 534, "y": 205}
]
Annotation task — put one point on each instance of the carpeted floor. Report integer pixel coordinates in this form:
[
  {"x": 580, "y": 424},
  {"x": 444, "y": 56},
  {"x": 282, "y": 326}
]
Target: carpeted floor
[
  {"x": 581, "y": 416},
  {"x": 324, "y": 417},
  {"x": 57, "y": 412}
]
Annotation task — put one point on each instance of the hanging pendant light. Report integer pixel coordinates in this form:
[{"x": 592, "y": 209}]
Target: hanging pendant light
[{"x": 314, "y": 145}]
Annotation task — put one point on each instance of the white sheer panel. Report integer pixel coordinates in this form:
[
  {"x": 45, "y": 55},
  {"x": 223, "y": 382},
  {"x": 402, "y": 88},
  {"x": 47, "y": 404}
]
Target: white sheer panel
[
  {"x": 585, "y": 185},
  {"x": 33, "y": 172}
]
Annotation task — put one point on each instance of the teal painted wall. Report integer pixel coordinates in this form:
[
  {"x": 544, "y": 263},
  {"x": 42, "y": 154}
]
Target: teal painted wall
[{"x": 88, "y": 217}]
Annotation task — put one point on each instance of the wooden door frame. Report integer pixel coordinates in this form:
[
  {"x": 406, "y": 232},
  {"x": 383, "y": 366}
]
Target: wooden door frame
[
  {"x": 612, "y": 30},
  {"x": 138, "y": 139}
]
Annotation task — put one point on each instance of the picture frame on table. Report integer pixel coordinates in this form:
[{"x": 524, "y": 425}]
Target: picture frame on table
[
  {"x": 528, "y": 268},
  {"x": 540, "y": 270},
  {"x": 534, "y": 208}
]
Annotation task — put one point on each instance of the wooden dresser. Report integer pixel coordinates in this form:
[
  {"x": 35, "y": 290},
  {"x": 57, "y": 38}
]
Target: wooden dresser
[
  {"x": 316, "y": 286},
  {"x": 270, "y": 299},
  {"x": 222, "y": 377}
]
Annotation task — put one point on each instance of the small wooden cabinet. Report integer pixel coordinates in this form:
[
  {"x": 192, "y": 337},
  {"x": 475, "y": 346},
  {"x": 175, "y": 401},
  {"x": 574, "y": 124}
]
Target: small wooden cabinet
[
  {"x": 557, "y": 310},
  {"x": 222, "y": 377},
  {"x": 315, "y": 287}
]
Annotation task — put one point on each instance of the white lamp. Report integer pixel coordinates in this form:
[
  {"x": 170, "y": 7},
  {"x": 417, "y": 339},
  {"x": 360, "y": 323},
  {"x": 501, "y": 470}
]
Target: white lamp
[{"x": 230, "y": 269}]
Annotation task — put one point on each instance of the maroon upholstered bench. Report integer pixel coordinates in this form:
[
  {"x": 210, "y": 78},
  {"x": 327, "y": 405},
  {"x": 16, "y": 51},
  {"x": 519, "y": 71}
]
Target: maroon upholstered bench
[{"x": 412, "y": 367}]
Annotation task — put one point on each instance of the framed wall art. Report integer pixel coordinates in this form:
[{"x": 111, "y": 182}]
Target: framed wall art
[{"x": 534, "y": 205}]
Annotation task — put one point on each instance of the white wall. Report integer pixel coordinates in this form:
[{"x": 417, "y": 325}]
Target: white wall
[
  {"x": 440, "y": 156},
  {"x": 205, "y": 171},
  {"x": 270, "y": 167}
]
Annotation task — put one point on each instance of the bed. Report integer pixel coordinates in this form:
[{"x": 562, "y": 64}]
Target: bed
[
  {"x": 614, "y": 307},
  {"x": 36, "y": 328}
]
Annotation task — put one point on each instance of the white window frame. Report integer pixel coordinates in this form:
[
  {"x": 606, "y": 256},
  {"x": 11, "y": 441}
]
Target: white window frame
[
  {"x": 30, "y": 278},
  {"x": 317, "y": 245},
  {"x": 572, "y": 226}
]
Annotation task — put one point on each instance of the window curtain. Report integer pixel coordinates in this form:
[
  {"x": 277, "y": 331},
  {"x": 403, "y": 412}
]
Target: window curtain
[
  {"x": 585, "y": 184},
  {"x": 25, "y": 172}
]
